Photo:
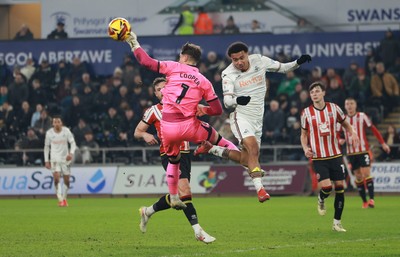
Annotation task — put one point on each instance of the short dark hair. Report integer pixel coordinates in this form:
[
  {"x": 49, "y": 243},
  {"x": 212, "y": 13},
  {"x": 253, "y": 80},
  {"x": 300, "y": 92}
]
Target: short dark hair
[
  {"x": 317, "y": 84},
  {"x": 57, "y": 116},
  {"x": 158, "y": 81},
  {"x": 237, "y": 47},
  {"x": 350, "y": 98},
  {"x": 192, "y": 50}
]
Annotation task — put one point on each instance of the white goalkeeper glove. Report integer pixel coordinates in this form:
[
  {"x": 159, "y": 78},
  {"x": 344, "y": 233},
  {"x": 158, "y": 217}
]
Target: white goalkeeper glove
[{"x": 131, "y": 39}]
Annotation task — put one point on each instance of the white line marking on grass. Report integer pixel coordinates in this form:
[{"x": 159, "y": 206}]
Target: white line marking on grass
[{"x": 272, "y": 247}]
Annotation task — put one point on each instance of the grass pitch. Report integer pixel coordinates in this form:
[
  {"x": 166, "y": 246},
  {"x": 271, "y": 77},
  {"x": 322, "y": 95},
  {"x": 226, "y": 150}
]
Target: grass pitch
[{"x": 283, "y": 226}]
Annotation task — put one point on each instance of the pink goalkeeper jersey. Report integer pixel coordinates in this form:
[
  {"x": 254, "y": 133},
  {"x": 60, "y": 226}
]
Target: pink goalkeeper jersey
[{"x": 185, "y": 88}]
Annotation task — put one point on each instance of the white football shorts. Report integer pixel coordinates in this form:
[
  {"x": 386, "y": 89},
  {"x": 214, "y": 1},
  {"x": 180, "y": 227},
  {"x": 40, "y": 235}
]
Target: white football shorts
[
  {"x": 243, "y": 126},
  {"x": 63, "y": 167}
]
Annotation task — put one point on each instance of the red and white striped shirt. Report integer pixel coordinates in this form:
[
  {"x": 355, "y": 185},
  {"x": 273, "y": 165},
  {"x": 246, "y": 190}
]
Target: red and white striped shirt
[
  {"x": 360, "y": 121},
  {"x": 153, "y": 116},
  {"x": 321, "y": 127}
]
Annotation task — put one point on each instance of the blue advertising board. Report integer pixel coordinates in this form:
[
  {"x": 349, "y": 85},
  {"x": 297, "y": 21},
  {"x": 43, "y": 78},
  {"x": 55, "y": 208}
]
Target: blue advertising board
[{"x": 335, "y": 50}]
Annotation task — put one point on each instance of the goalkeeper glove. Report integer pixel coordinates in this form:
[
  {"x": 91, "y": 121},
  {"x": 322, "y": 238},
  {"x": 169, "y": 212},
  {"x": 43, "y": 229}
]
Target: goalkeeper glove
[
  {"x": 304, "y": 58},
  {"x": 243, "y": 100},
  {"x": 131, "y": 39}
]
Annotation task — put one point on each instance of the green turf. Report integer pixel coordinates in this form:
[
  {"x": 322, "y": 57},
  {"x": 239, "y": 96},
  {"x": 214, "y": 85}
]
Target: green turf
[{"x": 284, "y": 226}]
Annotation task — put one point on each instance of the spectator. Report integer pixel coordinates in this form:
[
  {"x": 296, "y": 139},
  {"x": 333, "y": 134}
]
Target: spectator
[
  {"x": 43, "y": 124},
  {"x": 203, "y": 24},
  {"x": 230, "y": 27},
  {"x": 45, "y": 74},
  {"x": 389, "y": 49},
  {"x": 294, "y": 99},
  {"x": 89, "y": 148},
  {"x": 213, "y": 63},
  {"x": 24, "y": 117},
  {"x": 274, "y": 122},
  {"x": 18, "y": 91},
  {"x": 24, "y": 33},
  {"x": 88, "y": 100},
  {"x": 76, "y": 71},
  {"x": 349, "y": 74},
  {"x": 255, "y": 27},
  {"x": 316, "y": 75},
  {"x": 305, "y": 100},
  {"x": 331, "y": 74},
  {"x": 110, "y": 125},
  {"x": 303, "y": 27},
  {"x": 391, "y": 138},
  {"x": 29, "y": 69},
  {"x": 80, "y": 130},
  {"x": 335, "y": 94},
  {"x": 37, "y": 94},
  {"x": 3, "y": 94},
  {"x": 287, "y": 86},
  {"x": 7, "y": 117},
  {"x": 360, "y": 87},
  {"x": 36, "y": 114},
  {"x": 127, "y": 74},
  {"x": 58, "y": 32},
  {"x": 127, "y": 126},
  {"x": 31, "y": 141},
  {"x": 385, "y": 88},
  {"x": 61, "y": 72},
  {"x": 103, "y": 100},
  {"x": 5, "y": 74},
  {"x": 185, "y": 22},
  {"x": 78, "y": 111}
]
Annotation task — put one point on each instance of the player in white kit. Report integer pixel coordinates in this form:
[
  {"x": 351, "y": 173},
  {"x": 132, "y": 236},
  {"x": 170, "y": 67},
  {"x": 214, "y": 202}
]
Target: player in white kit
[
  {"x": 244, "y": 87},
  {"x": 59, "y": 160}
]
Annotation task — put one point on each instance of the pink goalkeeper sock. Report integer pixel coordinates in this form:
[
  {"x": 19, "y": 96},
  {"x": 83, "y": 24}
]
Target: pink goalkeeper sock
[
  {"x": 173, "y": 178},
  {"x": 228, "y": 144}
]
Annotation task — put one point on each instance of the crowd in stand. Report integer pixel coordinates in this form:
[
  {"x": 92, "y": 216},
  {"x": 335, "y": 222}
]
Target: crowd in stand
[{"x": 104, "y": 111}]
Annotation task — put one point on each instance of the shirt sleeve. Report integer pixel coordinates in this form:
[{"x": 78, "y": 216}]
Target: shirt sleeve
[
  {"x": 148, "y": 116},
  {"x": 228, "y": 91},
  {"x": 366, "y": 120},
  {"x": 275, "y": 66},
  {"x": 303, "y": 121},
  {"x": 209, "y": 93},
  {"x": 340, "y": 116},
  {"x": 46, "y": 147},
  {"x": 166, "y": 67},
  {"x": 71, "y": 141}
]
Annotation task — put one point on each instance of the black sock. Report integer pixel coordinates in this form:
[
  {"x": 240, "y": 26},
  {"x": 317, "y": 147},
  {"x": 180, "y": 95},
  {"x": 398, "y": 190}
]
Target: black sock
[
  {"x": 361, "y": 190},
  {"x": 324, "y": 192},
  {"x": 162, "y": 203},
  {"x": 339, "y": 202},
  {"x": 190, "y": 211},
  {"x": 370, "y": 185}
]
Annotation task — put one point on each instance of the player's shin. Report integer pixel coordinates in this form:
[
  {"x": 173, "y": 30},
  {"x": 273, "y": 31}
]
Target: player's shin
[
  {"x": 339, "y": 202},
  {"x": 369, "y": 181},
  {"x": 361, "y": 189},
  {"x": 58, "y": 192}
]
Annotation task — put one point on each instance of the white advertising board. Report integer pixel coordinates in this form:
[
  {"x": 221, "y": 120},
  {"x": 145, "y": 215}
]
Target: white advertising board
[
  {"x": 39, "y": 181},
  {"x": 386, "y": 176},
  {"x": 152, "y": 180}
]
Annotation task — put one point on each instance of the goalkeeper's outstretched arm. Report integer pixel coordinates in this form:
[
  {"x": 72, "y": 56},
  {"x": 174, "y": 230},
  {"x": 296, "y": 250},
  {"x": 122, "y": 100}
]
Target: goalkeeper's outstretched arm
[{"x": 141, "y": 56}]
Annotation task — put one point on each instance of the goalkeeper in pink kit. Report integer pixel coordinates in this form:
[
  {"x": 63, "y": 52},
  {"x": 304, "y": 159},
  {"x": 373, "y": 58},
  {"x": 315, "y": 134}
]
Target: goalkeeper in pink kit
[{"x": 185, "y": 88}]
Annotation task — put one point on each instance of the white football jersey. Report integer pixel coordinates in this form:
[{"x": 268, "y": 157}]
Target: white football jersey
[
  {"x": 57, "y": 143},
  {"x": 250, "y": 83}
]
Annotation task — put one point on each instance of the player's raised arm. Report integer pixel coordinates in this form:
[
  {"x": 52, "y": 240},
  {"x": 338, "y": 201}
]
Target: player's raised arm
[
  {"x": 141, "y": 56},
  {"x": 276, "y": 66}
]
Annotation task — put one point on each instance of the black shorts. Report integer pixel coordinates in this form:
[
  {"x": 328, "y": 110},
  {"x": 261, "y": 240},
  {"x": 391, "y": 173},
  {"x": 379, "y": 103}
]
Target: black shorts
[
  {"x": 332, "y": 169},
  {"x": 185, "y": 164},
  {"x": 359, "y": 160}
]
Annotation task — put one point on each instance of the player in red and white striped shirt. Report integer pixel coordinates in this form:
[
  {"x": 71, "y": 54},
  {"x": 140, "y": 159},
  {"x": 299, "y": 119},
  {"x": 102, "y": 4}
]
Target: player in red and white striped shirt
[
  {"x": 359, "y": 155},
  {"x": 319, "y": 142}
]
